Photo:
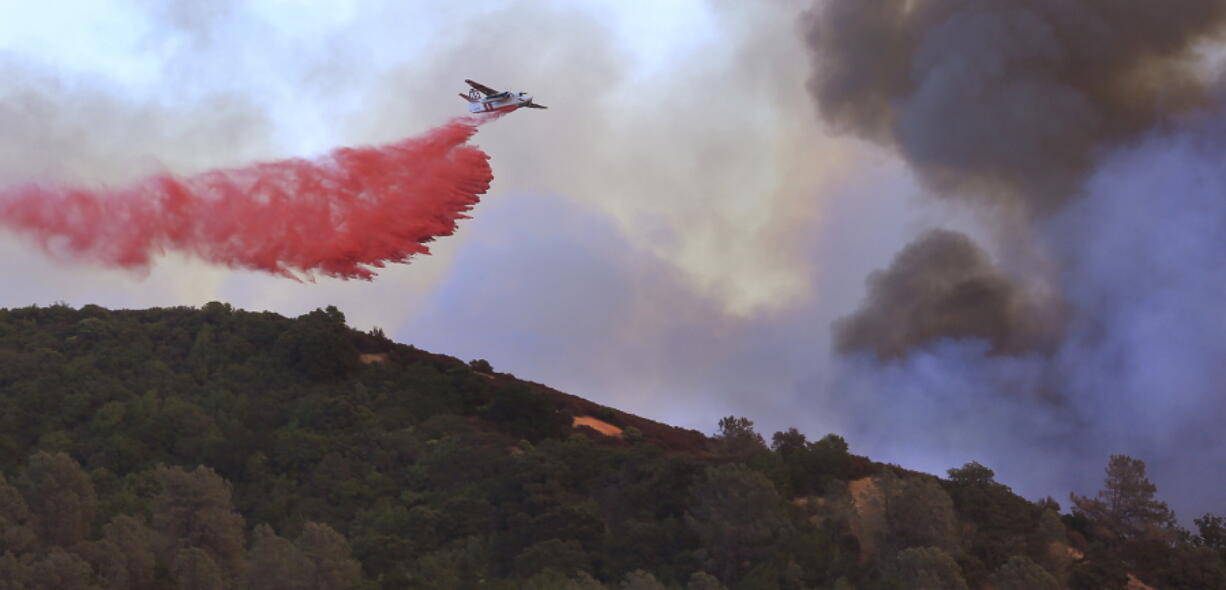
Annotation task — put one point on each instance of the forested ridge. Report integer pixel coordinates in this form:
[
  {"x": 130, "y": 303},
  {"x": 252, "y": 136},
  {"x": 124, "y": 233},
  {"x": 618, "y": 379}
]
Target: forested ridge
[{"x": 217, "y": 448}]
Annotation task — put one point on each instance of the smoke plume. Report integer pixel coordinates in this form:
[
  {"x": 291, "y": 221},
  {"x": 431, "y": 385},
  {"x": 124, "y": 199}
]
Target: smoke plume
[
  {"x": 940, "y": 286},
  {"x": 339, "y": 215},
  {"x": 1007, "y": 99},
  {"x": 1095, "y": 123}
]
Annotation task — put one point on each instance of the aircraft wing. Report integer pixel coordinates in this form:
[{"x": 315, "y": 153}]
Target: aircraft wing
[
  {"x": 482, "y": 87},
  {"x": 533, "y": 105}
]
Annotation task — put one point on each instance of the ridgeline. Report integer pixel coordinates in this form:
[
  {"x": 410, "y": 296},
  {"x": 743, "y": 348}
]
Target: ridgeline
[{"x": 218, "y": 448}]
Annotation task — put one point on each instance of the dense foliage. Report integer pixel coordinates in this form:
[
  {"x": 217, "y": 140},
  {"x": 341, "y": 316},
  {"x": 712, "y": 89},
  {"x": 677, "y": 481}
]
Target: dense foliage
[{"x": 216, "y": 448}]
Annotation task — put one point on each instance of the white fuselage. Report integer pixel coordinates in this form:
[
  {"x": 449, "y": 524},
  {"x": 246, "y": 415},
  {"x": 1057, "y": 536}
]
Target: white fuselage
[{"x": 499, "y": 102}]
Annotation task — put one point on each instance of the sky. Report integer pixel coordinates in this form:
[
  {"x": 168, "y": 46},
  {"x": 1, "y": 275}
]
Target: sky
[{"x": 680, "y": 235}]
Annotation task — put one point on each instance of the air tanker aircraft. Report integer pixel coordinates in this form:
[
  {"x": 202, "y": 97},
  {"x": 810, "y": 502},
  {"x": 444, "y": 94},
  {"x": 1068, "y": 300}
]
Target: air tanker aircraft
[{"x": 483, "y": 99}]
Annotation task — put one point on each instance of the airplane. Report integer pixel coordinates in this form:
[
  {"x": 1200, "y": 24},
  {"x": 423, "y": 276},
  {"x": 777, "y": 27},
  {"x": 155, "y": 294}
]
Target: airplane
[{"x": 483, "y": 99}]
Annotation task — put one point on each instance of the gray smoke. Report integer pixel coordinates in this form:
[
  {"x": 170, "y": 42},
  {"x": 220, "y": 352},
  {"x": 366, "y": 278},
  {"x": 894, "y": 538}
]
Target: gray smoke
[
  {"x": 940, "y": 286},
  {"x": 1096, "y": 124},
  {"x": 1006, "y": 99}
]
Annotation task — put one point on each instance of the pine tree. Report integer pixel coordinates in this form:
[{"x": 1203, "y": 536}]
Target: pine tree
[{"x": 1125, "y": 508}]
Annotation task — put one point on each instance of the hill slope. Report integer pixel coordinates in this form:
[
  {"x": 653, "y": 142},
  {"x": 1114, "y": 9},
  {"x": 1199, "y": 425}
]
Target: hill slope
[{"x": 216, "y": 447}]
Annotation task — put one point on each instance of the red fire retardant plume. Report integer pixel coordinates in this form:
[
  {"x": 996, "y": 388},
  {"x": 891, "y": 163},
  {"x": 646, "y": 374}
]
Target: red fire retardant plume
[{"x": 340, "y": 215}]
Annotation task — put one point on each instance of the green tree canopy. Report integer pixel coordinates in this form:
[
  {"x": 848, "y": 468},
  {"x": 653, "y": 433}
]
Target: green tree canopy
[{"x": 737, "y": 514}]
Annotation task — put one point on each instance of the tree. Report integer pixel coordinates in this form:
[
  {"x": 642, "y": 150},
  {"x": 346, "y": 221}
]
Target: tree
[
  {"x": 552, "y": 579},
  {"x": 788, "y": 443},
  {"x": 641, "y": 580},
  {"x": 61, "y": 496},
  {"x": 928, "y": 568},
  {"x": 737, "y": 515},
  {"x": 332, "y": 564},
  {"x": 736, "y": 438},
  {"x": 585, "y": 581},
  {"x": 920, "y": 514},
  {"x": 1125, "y": 507},
  {"x": 194, "y": 509},
  {"x": 843, "y": 584},
  {"x": 1020, "y": 573},
  {"x": 204, "y": 353},
  {"x": 127, "y": 559},
  {"x": 526, "y": 414},
  {"x": 704, "y": 581},
  {"x": 792, "y": 452},
  {"x": 463, "y": 564},
  {"x": 564, "y": 556},
  {"x": 319, "y": 346},
  {"x": 60, "y": 570},
  {"x": 14, "y": 572},
  {"x": 17, "y": 525},
  {"x": 972, "y": 474},
  {"x": 1212, "y": 532},
  {"x": 194, "y": 569},
  {"x": 274, "y": 563},
  {"x": 830, "y": 456}
]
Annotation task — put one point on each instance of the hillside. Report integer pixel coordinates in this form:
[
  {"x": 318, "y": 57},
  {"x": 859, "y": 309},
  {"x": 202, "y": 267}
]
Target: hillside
[{"x": 218, "y": 448}]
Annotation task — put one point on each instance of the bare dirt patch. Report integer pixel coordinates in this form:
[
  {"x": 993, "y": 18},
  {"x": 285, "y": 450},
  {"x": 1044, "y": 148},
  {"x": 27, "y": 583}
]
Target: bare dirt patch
[
  {"x": 598, "y": 425},
  {"x": 373, "y": 358},
  {"x": 1135, "y": 584},
  {"x": 869, "y": 501}
]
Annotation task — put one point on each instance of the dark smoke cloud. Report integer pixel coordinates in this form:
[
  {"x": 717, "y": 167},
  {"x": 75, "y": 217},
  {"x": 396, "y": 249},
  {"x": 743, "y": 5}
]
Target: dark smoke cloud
[
  {"x": 1006, "y": 99},
  {"x": 940, "y": 286},
  {"x": 1089, "y": 134},
  {"x": 1000, "y": 102}
]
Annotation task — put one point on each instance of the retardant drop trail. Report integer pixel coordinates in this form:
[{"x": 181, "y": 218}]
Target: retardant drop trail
[{"x": 340, "y": 215}]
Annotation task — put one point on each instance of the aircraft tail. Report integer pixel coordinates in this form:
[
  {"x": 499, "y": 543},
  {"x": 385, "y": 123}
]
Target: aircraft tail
[{"x": 466, "y": 97}]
